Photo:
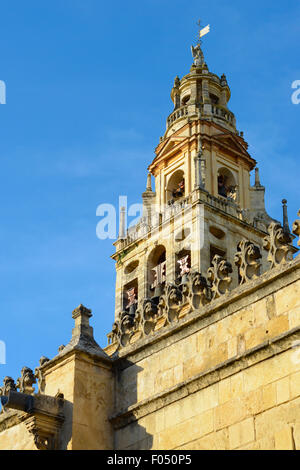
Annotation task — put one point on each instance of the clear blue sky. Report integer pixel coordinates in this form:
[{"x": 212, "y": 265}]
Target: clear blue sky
[{"x": 88, "y": 92}]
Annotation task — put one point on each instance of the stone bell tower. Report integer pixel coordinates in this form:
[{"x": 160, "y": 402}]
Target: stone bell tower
[{"x": 203, "y": 204}]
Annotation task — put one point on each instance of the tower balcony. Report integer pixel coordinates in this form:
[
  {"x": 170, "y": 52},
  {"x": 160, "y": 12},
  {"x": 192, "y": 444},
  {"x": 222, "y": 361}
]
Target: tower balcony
[
  {"x": 179, "y": 113},
  {"x": 204, "y": 111}
]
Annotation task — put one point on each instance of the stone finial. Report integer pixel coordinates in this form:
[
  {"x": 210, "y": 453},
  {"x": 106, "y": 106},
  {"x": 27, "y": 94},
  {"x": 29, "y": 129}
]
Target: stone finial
[
  {"x": 25, "y": 382},
  {"x": 247, "y": 259},
  {"x": 82, "y": 316},
  {"x": 257, "y": 178},
  {"x": 39, "y": 375},
  {"x": 224, "y": 80},
  {"x": 278, "y": 244},
  {"x": 296, "y": 228},
  {"x": 149, "y": 183},
  {"x": 196, "y": 290},
  {"x": 219, "y": 277},
  {"x": 286, "y": 227},
  {"x": 8, "y": 386},
  {"x": 177, "y": 82}
]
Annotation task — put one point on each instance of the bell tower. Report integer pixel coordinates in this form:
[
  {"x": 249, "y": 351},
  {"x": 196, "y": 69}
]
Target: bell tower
[{"x": 201, "y": 204}]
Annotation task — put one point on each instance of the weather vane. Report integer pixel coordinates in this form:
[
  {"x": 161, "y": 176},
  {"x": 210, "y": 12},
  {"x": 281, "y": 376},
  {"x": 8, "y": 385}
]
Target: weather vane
[{"x": 196, "y": 51}]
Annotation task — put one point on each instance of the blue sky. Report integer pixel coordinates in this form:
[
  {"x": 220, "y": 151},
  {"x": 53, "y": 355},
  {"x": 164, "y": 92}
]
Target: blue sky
[{"x": 88, "y": 92}]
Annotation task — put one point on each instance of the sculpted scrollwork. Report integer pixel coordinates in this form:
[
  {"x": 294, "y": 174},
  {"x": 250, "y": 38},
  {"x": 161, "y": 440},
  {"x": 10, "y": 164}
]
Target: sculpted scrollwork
[
  {"x": 124, "y": 328},
  {"x": 25, "y": 382},
  {"x": 191, "y": 291},
  {"x": 219, "y": 276},
  {"x": 278, "y": 244},
  {"x": 38, "y": 374},
  {"x": 150, "y": 315},
  {"x": 247, "y": 259},
  {"x": 296, "y": 228},
  {"x": 196, "y": 291}
]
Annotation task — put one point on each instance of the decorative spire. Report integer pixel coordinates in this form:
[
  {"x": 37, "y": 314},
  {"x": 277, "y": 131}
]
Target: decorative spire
[
  {"x": 286, "y": 227},
  {"x": 177, "y": 82},
  {"x": 82, "y": 316},
  {"x": 149, "y": 183},
  {"x": 257, "y": 178}
]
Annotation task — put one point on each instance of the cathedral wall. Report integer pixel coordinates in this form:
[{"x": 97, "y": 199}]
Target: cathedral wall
[
  {"x": 14, "y": 435},
  {"x": 227, "y": 378}
]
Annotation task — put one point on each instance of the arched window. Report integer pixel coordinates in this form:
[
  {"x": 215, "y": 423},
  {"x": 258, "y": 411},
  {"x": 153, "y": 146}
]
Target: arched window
[
  {"x": 176, "y": 186},
  {"x": 227, "y": 186},
  {"x": 130, "y": 297},
  {"x": 183, "y": 263},
  {"x": 156, "y": 271}
]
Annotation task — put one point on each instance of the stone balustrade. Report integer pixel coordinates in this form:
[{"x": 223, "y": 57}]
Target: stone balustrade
[{"x": 177, "y": 114}]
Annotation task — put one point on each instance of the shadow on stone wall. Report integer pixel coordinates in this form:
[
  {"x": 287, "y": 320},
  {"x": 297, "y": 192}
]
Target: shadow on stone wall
[{"x": 129, "y": 434}]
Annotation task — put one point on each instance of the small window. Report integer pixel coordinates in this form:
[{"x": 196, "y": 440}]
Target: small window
[
  {"x": 131, "y": 267},
  {"x": 185, "y": 100},
  {"x": 214, "y": 99}
]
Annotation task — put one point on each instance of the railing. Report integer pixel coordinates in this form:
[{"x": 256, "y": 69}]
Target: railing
[
  {"x": 177, "y": 114},
  {"x": 223, "y": 113},
  {"x": 143, "y": 227},
  {"x": 216, "y": 110}
]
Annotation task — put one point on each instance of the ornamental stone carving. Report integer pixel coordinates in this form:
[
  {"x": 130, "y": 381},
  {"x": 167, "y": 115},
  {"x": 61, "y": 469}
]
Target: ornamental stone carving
[
  {"x": 25, "y": 382},
  {"x": 124, "y": 328},
  {"x": 174, "y": 302},
  {"x": 150, "y": 315},
  {"x": 278, "y": 244},
  {"x": 247, "y": 259},
  {"x": 296, "y": 228},
  {"x": 218, "y": 275},
  {"x": 8, "y": 386},
  {"x": 38, "y": 373},
  {"x": 196, "y": 291}
]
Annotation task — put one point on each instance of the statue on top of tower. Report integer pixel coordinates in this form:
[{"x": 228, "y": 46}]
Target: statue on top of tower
[{"x": 197, "y": 55}]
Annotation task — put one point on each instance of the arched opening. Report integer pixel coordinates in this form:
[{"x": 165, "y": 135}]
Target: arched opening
[
  {"x": 156, "y": 271},
  {"x": 131, "y": 267},
  {"x": 227, "y": 186},
  {"x": 214, "y": 99},
  {"x": 176, "y": 186},
  {"x": 130, "y": 297},
  {"x": 183, "y": 263},
  {"x": 185, "y": 100}
]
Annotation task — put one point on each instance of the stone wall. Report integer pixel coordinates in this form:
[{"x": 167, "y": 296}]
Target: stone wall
[{"x": 227, "y": 377}]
